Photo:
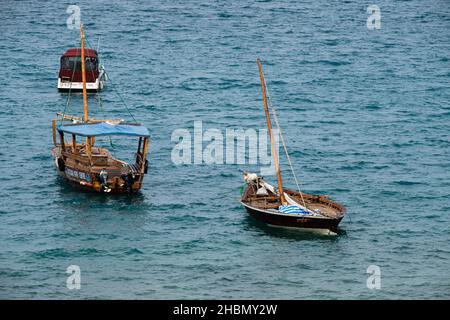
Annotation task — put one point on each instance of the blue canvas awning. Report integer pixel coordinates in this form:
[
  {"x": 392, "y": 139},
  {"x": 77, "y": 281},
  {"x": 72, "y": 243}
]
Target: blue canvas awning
[{"x": 104, "y": 129}]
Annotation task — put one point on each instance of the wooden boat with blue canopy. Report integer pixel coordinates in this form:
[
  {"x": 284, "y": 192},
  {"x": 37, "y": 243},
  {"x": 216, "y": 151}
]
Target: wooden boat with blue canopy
[
  {"x": 91, "y": 167},
  {"x": 283, "y": 207}
]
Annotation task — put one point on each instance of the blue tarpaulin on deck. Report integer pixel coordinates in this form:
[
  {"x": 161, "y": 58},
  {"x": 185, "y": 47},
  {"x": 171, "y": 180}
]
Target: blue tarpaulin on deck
[{"x": 104, "y": 129}]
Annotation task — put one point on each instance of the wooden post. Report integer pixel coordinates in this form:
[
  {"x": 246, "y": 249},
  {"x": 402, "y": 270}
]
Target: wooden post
[
  {"x": 139, "y": 145},
  {"x": 272, "y": 140},
  {"x": 144, "y": 154},
  {"x": 88, "y": 147},
  {"x": 54, "y": 131},
  {"x": 139, "y": 153},
  {"x": 74, "y": 144},
  {"x": 61, "y": 138}
]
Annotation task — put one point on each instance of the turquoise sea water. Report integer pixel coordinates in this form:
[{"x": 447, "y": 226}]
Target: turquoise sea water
[{"x": 366, "y": 117}]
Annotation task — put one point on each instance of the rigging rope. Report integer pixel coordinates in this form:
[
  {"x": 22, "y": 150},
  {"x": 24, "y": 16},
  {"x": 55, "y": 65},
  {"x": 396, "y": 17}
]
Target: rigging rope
[
  {"x": 114, "y": 87},
  {"x": 70, "y": 91},
  {"x": 120, "y": 97},
  {"x": 98, "y": 91},
  {"x": 284, "y": 144},
  {"x": 93, "y": 75}
]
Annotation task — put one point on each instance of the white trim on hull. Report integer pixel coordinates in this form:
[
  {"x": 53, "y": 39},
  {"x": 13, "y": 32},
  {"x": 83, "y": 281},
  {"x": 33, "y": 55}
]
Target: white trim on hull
[
  {"x": 99, "y": 84},
  {"x": 67, "y": 85}
]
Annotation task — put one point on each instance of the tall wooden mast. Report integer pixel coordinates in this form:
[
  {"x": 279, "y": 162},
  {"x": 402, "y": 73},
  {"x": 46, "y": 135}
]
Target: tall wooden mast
[
  {"x": 83, "y": 77},
  {"x": 272, "y": 140}
]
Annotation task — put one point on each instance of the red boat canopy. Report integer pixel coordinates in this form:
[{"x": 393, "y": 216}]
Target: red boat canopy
[{"x": 76, "y": 52}]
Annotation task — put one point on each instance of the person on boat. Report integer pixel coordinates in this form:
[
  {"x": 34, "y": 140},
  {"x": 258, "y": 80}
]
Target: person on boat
[
  {"x": 128, "y": 178},
  {"x": 104, "y": 180}
]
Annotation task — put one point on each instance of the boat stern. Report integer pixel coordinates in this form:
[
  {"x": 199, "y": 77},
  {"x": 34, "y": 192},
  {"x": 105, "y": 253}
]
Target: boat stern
[{"x": 67, "y": 85}]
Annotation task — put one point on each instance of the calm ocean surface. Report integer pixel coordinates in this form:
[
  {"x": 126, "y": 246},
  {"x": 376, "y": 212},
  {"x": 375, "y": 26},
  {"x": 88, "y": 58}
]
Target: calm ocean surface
[{"x": 365, "y": 113}]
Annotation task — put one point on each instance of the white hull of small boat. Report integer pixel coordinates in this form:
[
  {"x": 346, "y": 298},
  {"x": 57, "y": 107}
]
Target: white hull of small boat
[{"x": 99, "y": 84}]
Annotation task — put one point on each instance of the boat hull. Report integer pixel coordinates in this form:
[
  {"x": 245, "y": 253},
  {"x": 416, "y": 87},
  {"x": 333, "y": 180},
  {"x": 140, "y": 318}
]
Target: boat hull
[
  {"x": 294, "y": 221},
  {"x": 64, "y": 86},
  {"x": 84, "y": 180},
  {"x": 92, "y": 187},
  {"x": 97, "y": 85}
]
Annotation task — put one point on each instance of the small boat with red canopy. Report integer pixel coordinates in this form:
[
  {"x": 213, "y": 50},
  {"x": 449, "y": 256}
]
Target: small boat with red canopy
[{"x": 70, "y": 77}]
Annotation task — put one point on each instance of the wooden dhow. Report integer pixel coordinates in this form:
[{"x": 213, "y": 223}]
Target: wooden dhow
[{"x": 284, "y": 207}]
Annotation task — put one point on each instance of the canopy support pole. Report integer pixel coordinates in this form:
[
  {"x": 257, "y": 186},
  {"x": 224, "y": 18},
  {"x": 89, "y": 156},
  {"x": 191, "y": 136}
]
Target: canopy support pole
[
  {"x": 139, "y": 145},
  {"x": 144, "y": 154},
  {"x": 74, "y": 143},
  {"x": 61, "y": 139},
  {"x": 54, "y": 131}
]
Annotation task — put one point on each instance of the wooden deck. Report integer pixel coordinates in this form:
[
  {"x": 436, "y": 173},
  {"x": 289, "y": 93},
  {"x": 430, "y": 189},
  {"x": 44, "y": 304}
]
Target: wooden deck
[{"x": 326, "y": 206}]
